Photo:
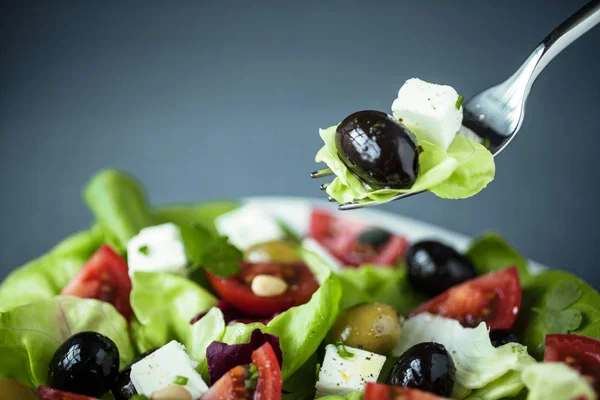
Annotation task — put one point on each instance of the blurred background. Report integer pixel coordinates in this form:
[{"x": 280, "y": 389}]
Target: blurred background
[{"x": 220, "y": 99}]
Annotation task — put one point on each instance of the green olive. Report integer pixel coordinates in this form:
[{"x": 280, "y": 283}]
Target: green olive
[
  {"x": 13, "y": 390},
  {"x": 278, "y": 251},
  {"x": 373, "y": 327}
]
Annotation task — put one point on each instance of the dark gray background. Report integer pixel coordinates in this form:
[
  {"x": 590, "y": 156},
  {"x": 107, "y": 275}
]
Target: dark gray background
[{"x": 205, "y": 100}]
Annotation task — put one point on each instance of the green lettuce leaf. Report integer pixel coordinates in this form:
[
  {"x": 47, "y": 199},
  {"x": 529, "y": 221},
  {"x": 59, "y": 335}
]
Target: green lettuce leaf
[
  {"x": 461, "y": 171},
  {"x": 164, "y": 304},
  {"x": 210, "y": 329},
  {"x": 301, "y": 385},
  {"x": 202, "y": 214},
  {"x": 555, "y": 381},
  {"x": 350, "y": 396},
  {"x": 30, "y": 334},
  {"x": 478, "y": 363},
  {"x": 369, "y": 284},
  {"x": 300, "y": 329},
  {"x": 508, "y": 385},
  {"x": 118, "y": 203},
  {"x": 490, "y": 252},
  {"x": 556, "y": 302},
  {"x": 45, "y": 277}
]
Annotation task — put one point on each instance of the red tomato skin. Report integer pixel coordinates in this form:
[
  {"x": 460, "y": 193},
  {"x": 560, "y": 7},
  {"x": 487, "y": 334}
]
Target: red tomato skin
[
  {"x": 47, "y": 393},
  {"x": 380, "y": 391},
  {"x": 230, "y": 386},
  {"x": 339, "y": 236},
  {"x": 238, "y": 293},
  {"x": 269, "y": 373},
  {"x": 104, "y": 277},
  {"x": 581, "y": 353},
  {"x": 471, "y": 295}
]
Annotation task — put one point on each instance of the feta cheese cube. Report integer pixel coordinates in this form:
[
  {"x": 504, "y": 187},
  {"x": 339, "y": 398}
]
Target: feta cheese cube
[
  {"x": 248, "y": 225},
  {"x": 159, "y": 370},
  {"x": 340, "y": 376},
  {"x": 157, "y": 249},
  {"x": 312, "y": 245},
  {"x": 429, "y": 111}
]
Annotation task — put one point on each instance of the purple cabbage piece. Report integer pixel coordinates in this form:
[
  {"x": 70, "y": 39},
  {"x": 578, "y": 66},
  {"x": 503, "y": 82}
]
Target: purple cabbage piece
[
  {"x": 231, "y": 315},
  {"x": 222, "y": 356}
]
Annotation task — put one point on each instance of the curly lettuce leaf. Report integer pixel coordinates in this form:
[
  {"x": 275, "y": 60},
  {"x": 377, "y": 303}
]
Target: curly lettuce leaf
[
  {"x": 556, "y": 381},
  {"x": 163, "y": 305},
  {"x": 350, "y": 396},
  {"x": 478, "y": 363},
  {"x": 548, "y": 308},
  {"x": 461, "y": 171},
  {"x": 369, "y": 284},
  {"x": 300, "y": 329},
  {"x": 30, "y": 334},
  {"x": 45, "y": 277},
  {"x": 508, "y": 385},
  {"x": 210, "y": 329}
]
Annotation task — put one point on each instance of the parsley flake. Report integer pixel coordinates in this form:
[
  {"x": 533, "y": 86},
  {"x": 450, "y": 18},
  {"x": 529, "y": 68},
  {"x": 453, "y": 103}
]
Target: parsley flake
[
  {"x": 459, "y": 101},
  {"x": 342, "y": 351},
  {"x": 180, "y": 380},
  {"x": 144, "y": 250}
]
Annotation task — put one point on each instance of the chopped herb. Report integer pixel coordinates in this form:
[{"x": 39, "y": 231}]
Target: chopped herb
[
  {"x": 318, "y": 369},
  {"x": 252, "y": 381},
  {"x": 144, "y": 250},
  {"x": 180, "y": 380},
  {"x": 211, "y": 252},
  {"x": 459, "y": 101},
  {"x": 253, "y": 371},
  {"x": 342, "y": 351},
  {"x": 557, "y": 317}
]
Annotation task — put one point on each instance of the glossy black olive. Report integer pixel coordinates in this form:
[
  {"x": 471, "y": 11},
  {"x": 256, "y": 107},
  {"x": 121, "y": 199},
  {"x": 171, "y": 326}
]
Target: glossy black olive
[
  {"x": 434, "y": 267},
  {"x": 500, "y": 337},
  {"x": 87, "y": 363},
  {"x": 425, "y": 366},
  {"x": 123, "y": 388},
  {"x": 378, "y": 149},
  {"x": 374, "y": 237}
]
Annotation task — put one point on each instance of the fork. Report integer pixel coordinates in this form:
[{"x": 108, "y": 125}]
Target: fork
[{"x": 494, "y": 116}]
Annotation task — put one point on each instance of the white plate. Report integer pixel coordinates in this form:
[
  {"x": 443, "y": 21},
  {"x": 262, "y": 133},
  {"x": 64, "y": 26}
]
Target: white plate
[{"x": 295, "y": 211}]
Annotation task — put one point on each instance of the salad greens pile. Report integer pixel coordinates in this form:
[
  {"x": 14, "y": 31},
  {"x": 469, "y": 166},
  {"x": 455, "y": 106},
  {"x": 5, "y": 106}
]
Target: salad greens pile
[{"x": 35, "y": 319}]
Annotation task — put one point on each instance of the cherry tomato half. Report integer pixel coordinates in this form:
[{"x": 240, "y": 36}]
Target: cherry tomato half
[
  {"x": 47, "y": 393},
  {"x": 380, "y": 391},
  {"x": 494, "y": 298},
  {"x": 579, "y": 352},
  {"x": 341, "y": 238},
  {"x": 236, "y": 289},
  {"x": 104, "y": 277}
]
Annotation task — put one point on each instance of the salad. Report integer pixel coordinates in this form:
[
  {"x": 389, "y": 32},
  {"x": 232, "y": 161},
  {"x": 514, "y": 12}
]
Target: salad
[
  {"x": 228, "y": 300},
  {"x": 422, "y": 146}
]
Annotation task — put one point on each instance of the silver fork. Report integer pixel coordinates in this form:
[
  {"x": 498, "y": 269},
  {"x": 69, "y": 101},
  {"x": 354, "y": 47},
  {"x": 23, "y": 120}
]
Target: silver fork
[{"x": 494, "y": 116}]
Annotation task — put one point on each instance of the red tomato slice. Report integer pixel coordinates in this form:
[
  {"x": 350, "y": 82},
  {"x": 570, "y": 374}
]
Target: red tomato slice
[
  {"x": 269, "y": 373},
  {"x": 380, "y": 391},
  {"x": 579, "y": 352},
  {"x": 232, "y": 385},
  {"x": 236, "y": 289},
  {"x": 494, "y": 298},
  {"x": 340, "y": 238},
  {"x": 103, "y": 277},
  {"x": 47, "y": 393}
]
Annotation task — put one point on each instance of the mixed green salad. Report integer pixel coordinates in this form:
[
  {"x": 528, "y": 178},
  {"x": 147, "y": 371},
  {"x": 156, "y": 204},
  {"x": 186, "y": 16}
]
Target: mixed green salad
[{"x": 226, "y": 300}]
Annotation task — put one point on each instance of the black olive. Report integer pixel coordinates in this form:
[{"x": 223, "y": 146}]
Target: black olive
[
  {"x": 425, "y": 366},
  {"x": 434, "y": 267},
  {"x": 500, "y": 337},
  {"x": 123, "y": 388},
  {"x": 375, "y": 237},
  {"x": 87, "y": 363},
  {"x": 378, "y": 149}
]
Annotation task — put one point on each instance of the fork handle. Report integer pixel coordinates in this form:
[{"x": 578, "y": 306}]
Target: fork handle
[{"x": 560, "y": 38}]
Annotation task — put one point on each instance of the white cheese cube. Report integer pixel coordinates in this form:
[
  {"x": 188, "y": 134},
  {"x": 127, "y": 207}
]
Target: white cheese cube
[
  {"x": 247, "y": 226},
  {"x": 340, "y": 376},
  {"x": 429, "y": 111},
  {"x": 157, "y": 249},
  {"x": 159, "y": 370},
  {"x": 313, "y": 246}
]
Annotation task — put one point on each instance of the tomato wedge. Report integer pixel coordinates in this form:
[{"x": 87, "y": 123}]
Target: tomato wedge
[
  {"x": 104, "y": 277},
  {"x": 47, "y": 393},
  {"x": 380, "y": 391},
  {"x": 494, "y": 298},
  {"x": 269, "y": 373},
  {"x": 579, "y": 352},
  {"x": 238, "y": 382},
  {"x": 340, "y": 237},
  {"x": 236, "y": 289}
]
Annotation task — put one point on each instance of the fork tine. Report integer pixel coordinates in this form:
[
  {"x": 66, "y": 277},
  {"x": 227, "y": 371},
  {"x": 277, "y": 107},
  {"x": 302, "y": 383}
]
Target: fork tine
[
  {"x": 321, "y": 173},
  {"x": 354, "y": 205},
  {"x": 324, "y": 186},
  {"x": 330, "y": 199}
]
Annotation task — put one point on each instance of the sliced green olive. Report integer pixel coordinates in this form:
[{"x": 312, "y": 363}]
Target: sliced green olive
[
  {"x": 373, "y": 327},
  {"x": 277, "y": 251}
]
